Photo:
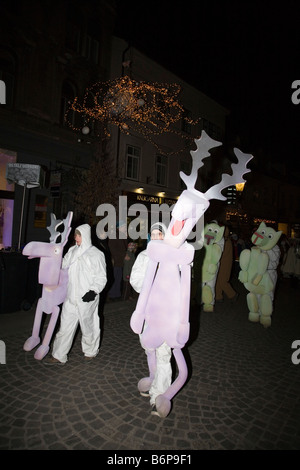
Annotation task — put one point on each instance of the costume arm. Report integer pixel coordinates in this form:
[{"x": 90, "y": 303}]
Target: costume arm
[
  {"x": 66, "y": 258},
  {"x": 138, "y": 272},
  {"x": 244, "y": 264},
  {"x": 184, "y": 325},
  {"x": 138, "y": 316},
  {"x": 98, "y": 267},
  {"x": 215, "y": 258}
]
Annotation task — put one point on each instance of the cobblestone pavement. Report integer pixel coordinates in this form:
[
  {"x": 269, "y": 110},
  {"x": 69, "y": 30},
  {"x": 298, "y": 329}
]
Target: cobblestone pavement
[{"x": 243, "y": 390}]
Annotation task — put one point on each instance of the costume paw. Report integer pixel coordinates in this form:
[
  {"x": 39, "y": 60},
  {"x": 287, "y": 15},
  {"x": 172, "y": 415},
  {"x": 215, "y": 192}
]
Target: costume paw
[
  {"x": 136, "y": 322},
  {"x": 254, "y": 317},
  {"x": 183, "y": 333},
  {"x": 41, "y": 352},
  {"x": 144, "y": 384},
  {"x": 208, "y": 308},
  {"x": 243, "y": 276},
  {"x": 163, "y": 406},
  {"x": 257, "y": 280},
  {"x": 207, "y": 295},
  {"x": 31, "y": 343},
  {"x": 265, "y": 320}
]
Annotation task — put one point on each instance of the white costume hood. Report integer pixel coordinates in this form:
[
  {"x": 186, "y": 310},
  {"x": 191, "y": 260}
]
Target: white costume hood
[{"x": 86, "y": 240}]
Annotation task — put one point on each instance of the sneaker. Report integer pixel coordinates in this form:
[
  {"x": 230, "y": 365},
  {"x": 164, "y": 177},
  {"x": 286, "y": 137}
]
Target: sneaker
[
  {"x": 154, "y": 411},
  {"x": 52, "y": 361},
  {"x": 145, "y": 394},
  {"x": 89, "y": 358}
]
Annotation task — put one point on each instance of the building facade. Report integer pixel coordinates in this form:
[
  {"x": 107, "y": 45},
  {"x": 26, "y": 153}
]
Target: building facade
[{"x": 49, "y": 53}]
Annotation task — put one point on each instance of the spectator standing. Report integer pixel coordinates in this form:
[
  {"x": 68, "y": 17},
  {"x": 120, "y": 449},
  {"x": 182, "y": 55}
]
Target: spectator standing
[
  {"x": 128, "y": 263},
  {"x": 223, "y": 285},
  {"x": 118, "y": 248}
]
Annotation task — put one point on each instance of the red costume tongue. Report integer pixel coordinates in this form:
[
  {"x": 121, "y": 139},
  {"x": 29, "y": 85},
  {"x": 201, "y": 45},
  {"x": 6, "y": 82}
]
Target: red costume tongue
[
  {"x": 177, "y": 227},
  {"x": 208, "y": 238},
  {"x": 258, "y": 235}
]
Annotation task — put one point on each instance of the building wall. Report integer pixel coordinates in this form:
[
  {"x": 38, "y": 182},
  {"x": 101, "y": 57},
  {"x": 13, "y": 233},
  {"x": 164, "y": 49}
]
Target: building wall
[{"x": 47, "y": 48}]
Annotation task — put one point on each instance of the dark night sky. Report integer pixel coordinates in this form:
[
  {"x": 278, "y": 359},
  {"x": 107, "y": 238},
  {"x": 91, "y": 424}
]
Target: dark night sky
[{"x": 243, "y": 54}]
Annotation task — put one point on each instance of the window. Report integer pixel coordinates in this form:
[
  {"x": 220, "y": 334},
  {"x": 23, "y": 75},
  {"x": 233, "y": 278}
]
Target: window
[
  {"x": 67, "y": 97},
  {"x": 7, "y": 75},
  {"x": 186, "y": 125},
  {"x": 6, "y": 199},
  {"x": 132, "y": 162},
  {"x": 79, "y": 41},
  {"x": 91, "y": 41},
  {"x": 231, "y": 195},
  {"x": 73, "y": 36},
  {"x": 90, "y": 48},
  {"x": 214, "y": 131},
  {"x": 161, "y": 170}
]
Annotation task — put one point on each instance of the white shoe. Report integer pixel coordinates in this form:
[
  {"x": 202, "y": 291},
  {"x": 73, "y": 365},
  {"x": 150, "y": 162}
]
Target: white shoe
[{"x": 154, "y": 411}]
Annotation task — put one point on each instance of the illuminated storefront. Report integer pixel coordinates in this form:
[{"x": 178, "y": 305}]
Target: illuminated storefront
[{"x": 7, "y": 194}]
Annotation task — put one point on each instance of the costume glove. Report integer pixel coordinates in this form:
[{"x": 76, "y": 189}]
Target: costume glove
[{"x": 89, "y": 296}]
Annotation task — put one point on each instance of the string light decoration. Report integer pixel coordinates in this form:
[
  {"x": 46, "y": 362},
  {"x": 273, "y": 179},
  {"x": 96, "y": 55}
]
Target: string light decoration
[{"x": 149, "y": 109}]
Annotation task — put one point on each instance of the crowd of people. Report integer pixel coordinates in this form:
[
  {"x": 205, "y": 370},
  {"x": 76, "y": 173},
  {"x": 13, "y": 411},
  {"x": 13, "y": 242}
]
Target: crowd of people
[
  {"x": 103, "y": 269},
  {"x": 109, "y": 269}
]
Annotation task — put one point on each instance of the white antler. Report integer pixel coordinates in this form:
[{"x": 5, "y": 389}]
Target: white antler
[
  {"x": 53, "y": 228},
  {"x": 67, "y": 228},
  {"x": 238, "y": 169},
  {"x": 204, "y": 144},
  {"x": 54, "y": 233}
]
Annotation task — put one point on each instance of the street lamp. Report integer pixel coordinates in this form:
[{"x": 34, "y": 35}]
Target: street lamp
[{"x": 240, "y": 187}]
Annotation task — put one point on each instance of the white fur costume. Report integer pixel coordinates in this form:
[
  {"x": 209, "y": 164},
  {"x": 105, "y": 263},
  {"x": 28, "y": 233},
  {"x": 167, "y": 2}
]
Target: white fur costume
[{"x": 87, "y": 271}]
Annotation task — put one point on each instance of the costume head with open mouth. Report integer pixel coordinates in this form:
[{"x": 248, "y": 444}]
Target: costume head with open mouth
[
  {"x": 192, "y": 204},
  {"x": 164, "y": 301}
]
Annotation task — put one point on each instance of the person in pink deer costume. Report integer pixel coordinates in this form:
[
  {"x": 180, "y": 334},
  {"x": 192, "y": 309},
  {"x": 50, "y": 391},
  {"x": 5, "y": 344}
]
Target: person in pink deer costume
[
  {"x": 54, "y": 280},
  {"x": 162, "y": 311}
]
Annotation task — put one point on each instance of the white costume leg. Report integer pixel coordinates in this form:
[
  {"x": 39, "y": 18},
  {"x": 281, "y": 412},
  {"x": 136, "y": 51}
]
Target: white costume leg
[
  {"x": 145, "y": 383},
  {"x": 163, "y": 374},
  {"x": 64, "y": 338},
  {"x": 90, "y": 328}
]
